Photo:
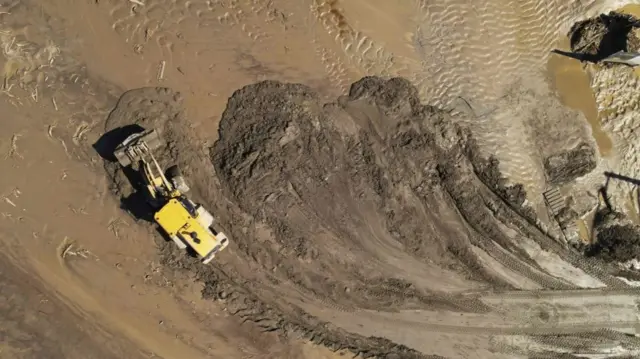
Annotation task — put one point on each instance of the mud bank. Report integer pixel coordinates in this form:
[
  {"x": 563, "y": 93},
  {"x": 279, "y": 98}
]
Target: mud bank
[{"x": 374, "y": 202}]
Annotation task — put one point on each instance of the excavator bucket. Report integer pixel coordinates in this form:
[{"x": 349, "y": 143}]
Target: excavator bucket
[{"x": 136, "y": 145}]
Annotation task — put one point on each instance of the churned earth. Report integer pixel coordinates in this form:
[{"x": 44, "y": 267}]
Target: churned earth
[{"x": 367, "y": 179}]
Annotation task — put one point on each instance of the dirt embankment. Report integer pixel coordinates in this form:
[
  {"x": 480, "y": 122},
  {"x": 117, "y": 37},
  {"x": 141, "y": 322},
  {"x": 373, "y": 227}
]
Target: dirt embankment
[{"x": 371, "y": 202}]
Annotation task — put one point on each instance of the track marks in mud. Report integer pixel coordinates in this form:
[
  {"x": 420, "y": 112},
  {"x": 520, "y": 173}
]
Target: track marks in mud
[
  {"x": 157, "y": 20},
  {"x": 168, "y": 24},
  {"x": 336, "y": 71},
  {"x": 342, "y": 191},
  {"x": 324, "y": 201}
]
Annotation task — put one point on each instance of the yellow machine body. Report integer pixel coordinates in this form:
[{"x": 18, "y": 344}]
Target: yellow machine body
[
  {"x": 176, "y": 220},
  {"x": 185, "y": 222}
]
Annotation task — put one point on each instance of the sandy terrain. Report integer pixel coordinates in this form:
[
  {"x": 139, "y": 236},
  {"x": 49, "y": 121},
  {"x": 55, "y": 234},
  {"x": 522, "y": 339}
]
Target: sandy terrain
[{"x": 367, "y": 215}]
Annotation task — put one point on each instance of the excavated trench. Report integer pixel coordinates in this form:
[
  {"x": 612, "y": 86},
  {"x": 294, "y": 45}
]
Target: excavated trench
[{"x": 372, "y": 202}]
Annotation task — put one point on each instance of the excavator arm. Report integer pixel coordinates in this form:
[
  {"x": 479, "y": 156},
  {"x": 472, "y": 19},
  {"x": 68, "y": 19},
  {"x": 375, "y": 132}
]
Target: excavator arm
[{"x": 138, "y": 148}]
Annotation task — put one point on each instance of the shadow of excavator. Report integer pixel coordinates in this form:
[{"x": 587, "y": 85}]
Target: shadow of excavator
[{"x": 613, "y": 42}]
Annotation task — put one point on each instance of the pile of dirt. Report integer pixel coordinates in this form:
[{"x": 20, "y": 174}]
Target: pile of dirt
[
  {"x": 617, "y": 238},
  {"x": 568, "y": 165},
  {"x": 349, "y": 205},
  {"x": 362, "y": 175},
  {"x": 605, "y": 35}
]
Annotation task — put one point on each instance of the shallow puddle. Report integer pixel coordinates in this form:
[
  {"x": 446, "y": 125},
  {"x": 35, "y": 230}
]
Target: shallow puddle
[{"x": 574, "y": 89}]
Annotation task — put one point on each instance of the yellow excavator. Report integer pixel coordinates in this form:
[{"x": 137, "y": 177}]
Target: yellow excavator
[{"x": 187, "y": 223}]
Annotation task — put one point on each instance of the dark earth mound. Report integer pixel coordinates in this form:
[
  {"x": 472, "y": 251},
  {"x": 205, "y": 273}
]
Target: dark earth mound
[
  {"x": 602, "y": 36},
  {"x": 566, "y": 166},
  {"x": 365, "y": 174},
  {"x": 372, "y": 202},
  {"x": 161, "y": 108},
  {"x": 617, "y": 238}
]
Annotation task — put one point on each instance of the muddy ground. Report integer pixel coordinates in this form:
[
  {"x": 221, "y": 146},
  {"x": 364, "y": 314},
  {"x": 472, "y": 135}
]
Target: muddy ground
[
  {"x": 291, "y": 227},
  {"x": 368, "y": 222},
  {"x": 342, "y": 205},
  {"x": 568, "y": 165}
]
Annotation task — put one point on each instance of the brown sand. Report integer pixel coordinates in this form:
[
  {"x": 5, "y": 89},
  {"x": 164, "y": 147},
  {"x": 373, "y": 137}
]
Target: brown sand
[{"x": 378, "y": 233}]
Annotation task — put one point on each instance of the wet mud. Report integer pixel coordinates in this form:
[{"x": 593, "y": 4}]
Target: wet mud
[{"x": 349, "y": 205}]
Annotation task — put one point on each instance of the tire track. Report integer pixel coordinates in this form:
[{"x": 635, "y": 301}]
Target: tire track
[{"x": 335, "y": 69}]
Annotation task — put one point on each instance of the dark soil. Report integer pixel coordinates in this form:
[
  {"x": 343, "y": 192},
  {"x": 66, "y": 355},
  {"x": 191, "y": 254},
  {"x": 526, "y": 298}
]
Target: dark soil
[
  {"x": 377, "y": 156},
  {"x": 344, "y": 205},
  {"x": 564, "y": 167},
  {"x": 602, "y": 36},
  {"x": 617, "y": 238}
]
